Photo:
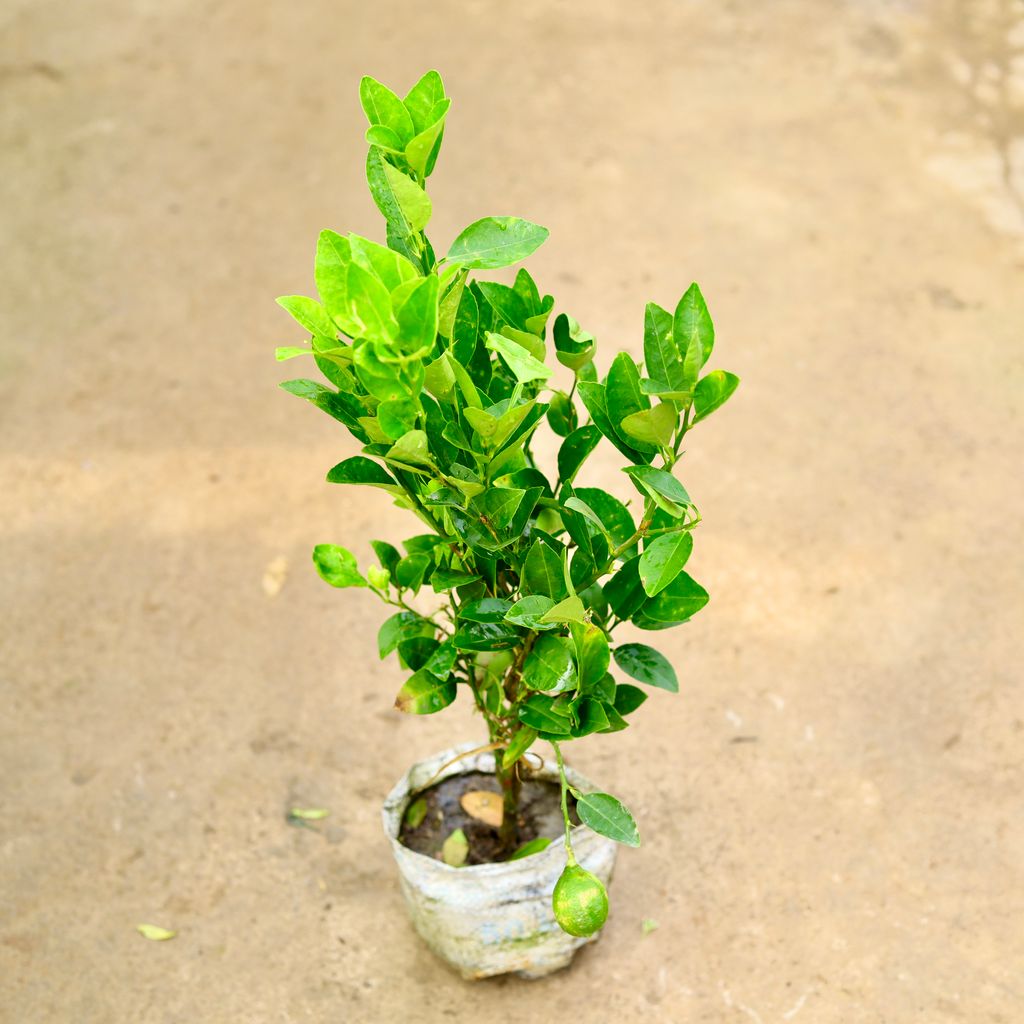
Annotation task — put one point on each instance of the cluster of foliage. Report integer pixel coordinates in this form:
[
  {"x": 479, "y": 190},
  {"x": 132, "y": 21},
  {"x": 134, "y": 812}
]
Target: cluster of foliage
[{"x": 444, "y": 378}]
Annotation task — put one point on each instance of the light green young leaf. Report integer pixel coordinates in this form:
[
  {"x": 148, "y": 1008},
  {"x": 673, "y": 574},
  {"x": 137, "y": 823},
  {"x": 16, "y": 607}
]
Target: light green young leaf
[
  {"x": 661, "y": 356},
  {"x": 655, "y": 426},
  {"x": 422, "y": 98},
  {"x": 388, "y": 202},
  {"x": 382, "y": 106},
  {"x": 455, "y": 849},
  {"x": 389, "y": 267},
  {"x": 412, "y": 448},
  {"x": 333, "y": 255},
  {"x": 549, "y": 666},
  {"x": 309, "y": 313},
  {"x": 385, "y": 138},
  {"x": 154, "y": 932},
  {"x": 309, "y": 813},
  {"x": 524, "y": 367},
  {"x": 496, "y": 242},
  {"x": 337, "y": 566},
  {"x": 414, "y": 202},
  {"x": 369, "y": 305},
  {"x": 694, "y": 334},
  {"x": 415, "y": 813},
  {"x": 417, "y": 315},
  {"x": 418, "y": 151},
  {"x": 569, "y": 610},
  {"x": 283, "y": 352}
]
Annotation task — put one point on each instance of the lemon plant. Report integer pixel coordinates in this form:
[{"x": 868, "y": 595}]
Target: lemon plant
[{"x": 444, "y": 376}]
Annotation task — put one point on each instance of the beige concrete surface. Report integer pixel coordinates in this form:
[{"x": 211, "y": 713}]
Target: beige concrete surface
[{"x": 831, "y": 807}]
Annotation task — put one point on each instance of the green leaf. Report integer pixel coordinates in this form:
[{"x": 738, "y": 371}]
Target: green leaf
[
  {"x": 521, "y": 742},
  {"x": 541, "y": 712},
  {"x": 662, "y": 559},
  {"x": 337, "y": 566},
  {"x": 694, "y": 334},
  {"x": 592, "y": 655},
  {"x": 439, "y": 378},
  {"x": 679, "y": 601},
  {"x": 397, "y": 417},
  {"x": 590, "y": 716},
  {"x": 608, "y": 817},
  {"x": 333, "y": 256},
  {"x": 569, "y": 610},
  {"x": 412, "y": 449},
  {"x": 410, "y": 571},
  {"x": 382, "y": 106},
  {"x": 574, "y": 348},
  {"x": 530, "y": 611},
  {"x": 646, "y": 665},
  {"x": 524, "y": 367},
  {"x": 613, "y": 514},
  {"x": 309, "y": 813},
  {"x": 361, "y": 470},
  {"x": 668, "y": 493},
  {"x": 594, "y": 398},
  {"x": 486, "y": 636},
  {"x": 506, "y": 302},
  {"x": 421, "y": 99},
  {"x": 442, "y": 660},
  {"x": 369, "y": 305},
  {"x": 420, "y": 148},
  {"x": 549, "y": 666},
  {"x": 533, "y": 846},
  {"x": 283, "y": 352},
  {"x": 311, "y": 315},
  {"x": 624, "y": 590},
  {"x": 400, "y": 627},
  {"x": 485, "y": 609},
  {"x": 575, "y": 450},
  {"x": 624, "y": 397},
  {"x": 660, "y": 353},
  {"x": 415, "y": 813},
  {"x": 424, "y": 694},
  {"x": 496, "y": 242},
  {"x": 628, "y": 698},
  {"x": 389, "y": 267},
  {"x": 655, "y": 426},
  {"x": 414, "y": 202},
  {"x": 387, "y": 554},
  {"x": 154, "y": 932},
  {"x": 388, "y": 201},
  {"x": 379, "y": 378},
  {"x": 561, "y": 414},
  {"x": 455, "y": 849},
  {"x": 542, "y": 573},
  {"x": 712, "y": 391},
  {"x": 417, "y": 316},
  {"x": 445, "y": 579},
  {"x": 378, "y": 135}
]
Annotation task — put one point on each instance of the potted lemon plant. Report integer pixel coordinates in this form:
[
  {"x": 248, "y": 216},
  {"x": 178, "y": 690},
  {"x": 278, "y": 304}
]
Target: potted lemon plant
[{"x": 510, "y": 593}]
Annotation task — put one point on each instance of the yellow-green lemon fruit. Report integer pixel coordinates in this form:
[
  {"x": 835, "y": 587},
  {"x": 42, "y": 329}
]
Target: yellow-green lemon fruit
[{"x": 580, "y": 901}]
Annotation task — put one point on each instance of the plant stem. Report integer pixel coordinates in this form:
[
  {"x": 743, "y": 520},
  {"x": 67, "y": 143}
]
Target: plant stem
[
  {"x": 511, "y": 787},
  {"x": 569, "y": 855}
]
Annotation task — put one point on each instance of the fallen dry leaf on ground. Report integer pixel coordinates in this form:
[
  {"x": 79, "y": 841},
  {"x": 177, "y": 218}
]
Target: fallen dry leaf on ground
[{"x": 484, "y": 806}]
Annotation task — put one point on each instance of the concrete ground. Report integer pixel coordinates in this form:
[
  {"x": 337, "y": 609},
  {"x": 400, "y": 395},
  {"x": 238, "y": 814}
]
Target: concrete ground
[{"x": 831, "y": 807}]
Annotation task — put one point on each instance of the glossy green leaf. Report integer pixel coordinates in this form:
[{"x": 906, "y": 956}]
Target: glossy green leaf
[
  {"x": 530, "y": 611},
  {"x": 628, "y": 698},
  {"x": 561, "y": 414},
  {"x": 496, "y": 242},
  {"x": 425, "y": 694},
  {"x": 613, "y": 514},
  {"x": 594, "y": 398},
  {"x": 361, "y": 470},
  {"x": 546, "y": 714},
  {"x": 369, "y": 305},
  {"x": 590, "y": 716},
  {"x": 680, "y": 600},
  {"x": 608, "y": 817},
  {"x": 574, "y": 348},
  {"x": 382, "y": 106},
  {"x": 390, "y": 203},
  {"x": 389, "y": 267},
  {"x": 661, "y": 356},
  {"x": 337, "y": 566},
  {"x": 397, "y": 417},
  {"x": 662, "y": 560},
  {"x": 411, "y": 448},
  {"x": 410, "y": 571},
  {"x": 592, "y": 654},
  {"x": 569, "y": 610},
  {"x": 524, "y": 367},
  {"x": 694, "y": 334},
  {"x": 646, "y": 665},
  {"x": 485, "y": 609},
  {"x": 333, "y": 256},
  {"x": 422, "y": 146},
  {"x": 549, "y": 666},
  {"x": 624, "y": 590},
  {"x": 624, "y": 397},
  {"x": 666, "y": 491},
  {"x": 521, "y": 742},
  {"x": 417, "y": 315},
  {"x": 402, "y": 626},
  {"x": 575, "y": 450},
  {"x": 542, "y": 573},
  {"x": 422, "y": 98},
  {"x": 712, "y": 391}
]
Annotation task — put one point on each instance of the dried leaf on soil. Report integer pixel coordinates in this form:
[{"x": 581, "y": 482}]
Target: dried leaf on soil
[
  {"x": 484, "y": 806},
  {"x": 309, "y": 813},
  {"x": 154, "y": 932}
]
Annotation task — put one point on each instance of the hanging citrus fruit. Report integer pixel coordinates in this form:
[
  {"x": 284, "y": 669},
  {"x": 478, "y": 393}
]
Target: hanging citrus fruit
[{"x": 580, "y": 901}]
